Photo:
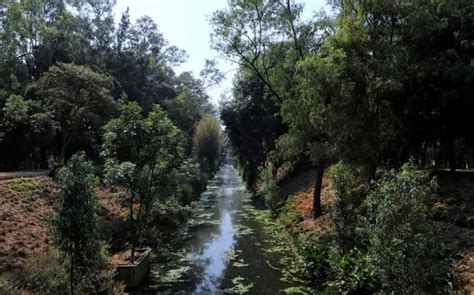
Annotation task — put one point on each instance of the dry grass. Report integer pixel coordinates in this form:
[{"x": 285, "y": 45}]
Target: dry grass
[
  {"x": 25, "y": 205},
  {"x": 302, "y": 203},
  {"x": 465, "y": 267}
]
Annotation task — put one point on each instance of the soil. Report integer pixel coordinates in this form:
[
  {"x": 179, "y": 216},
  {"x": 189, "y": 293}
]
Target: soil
[
  {"x": 25, "y": 206},
  {"x": 300, "y": 187},
  {"x": 303, "y": 201},
  {"x": 453, "y": 213}
]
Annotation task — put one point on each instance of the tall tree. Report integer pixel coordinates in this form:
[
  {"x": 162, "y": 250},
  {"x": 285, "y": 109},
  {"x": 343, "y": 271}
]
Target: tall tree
[
  {"x": 74, "y": 224},
  {"x": 269, "y": 38},
  {"x": 81, "y": 102},
  {"x": 207, "y": 143},
  {"x": 252, "y": 124},
  {"x": 144, "y": 155}
]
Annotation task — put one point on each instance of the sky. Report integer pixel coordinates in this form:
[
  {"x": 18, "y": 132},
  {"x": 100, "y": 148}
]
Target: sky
[{"x": 184, "y": 23}]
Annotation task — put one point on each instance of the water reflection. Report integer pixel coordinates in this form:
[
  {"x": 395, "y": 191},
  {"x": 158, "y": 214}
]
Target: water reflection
[
  {"x": 214, "y": 255},
  {"x": 222, "y": 247}
]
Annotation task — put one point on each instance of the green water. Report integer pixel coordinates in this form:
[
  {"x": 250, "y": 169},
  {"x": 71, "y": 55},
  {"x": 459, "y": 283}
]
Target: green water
[{"x": 230, "y": 246}]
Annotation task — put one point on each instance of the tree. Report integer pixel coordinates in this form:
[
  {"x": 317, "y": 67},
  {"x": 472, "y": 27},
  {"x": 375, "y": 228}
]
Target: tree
[
  {"x": 144, "y": 155},
  {"x": 74, "y": 225},
  {"x": 252, "y": 124},
  {"x": 186, "y": 109},
  {"x": 207, "y": 143},
  {"x": 143, "y": 62},
  {"x": 268, "y": 38},
  {"x": 81, "y": 102},
  {"x": 29, "y": 130}
]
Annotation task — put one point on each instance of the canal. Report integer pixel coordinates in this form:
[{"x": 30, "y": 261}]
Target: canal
[{"x": 229, "y": 246}]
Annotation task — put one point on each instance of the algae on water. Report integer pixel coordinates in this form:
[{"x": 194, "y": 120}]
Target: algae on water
[{"x": 239, "y": 287}]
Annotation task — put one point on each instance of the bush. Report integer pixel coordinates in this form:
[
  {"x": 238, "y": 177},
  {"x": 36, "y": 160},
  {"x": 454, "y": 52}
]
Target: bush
[
  {"x": 315, "y": 251},
  {"x": 342, "y": 214},
  {"x": 47, "y": 273},
  {"x": 74, "y": 225},
  {"x": 403, "y": 241},
  {"x": 394, "y": 248}
]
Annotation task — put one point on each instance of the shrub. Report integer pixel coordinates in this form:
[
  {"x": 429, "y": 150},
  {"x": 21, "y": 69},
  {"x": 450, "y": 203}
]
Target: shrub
[
  {"x": 350, "y": 270},
  {"x": 403, "y": 241},
  {"x": 47, "y": 273},
  {"x": 342, "y": 214},
  {"x": 74, "y": 225},
  {"x": 315, "y": 251}
]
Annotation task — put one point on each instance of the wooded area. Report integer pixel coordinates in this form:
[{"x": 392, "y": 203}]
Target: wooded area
[{"x": 371, "y": 101}]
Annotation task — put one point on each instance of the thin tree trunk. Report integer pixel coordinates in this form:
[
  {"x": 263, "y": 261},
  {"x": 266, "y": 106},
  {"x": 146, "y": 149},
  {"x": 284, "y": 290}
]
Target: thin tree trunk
[
  {"x": 372, "y": 171},
  {"x": 318, "y": 184},
  {"x": 132, "y": 225},
  {"x": 62, "y": 152},
  {"x": 451, "y": 156},
  {"x": 44, "y": 158},
  {"x": 72, "y": 274}
]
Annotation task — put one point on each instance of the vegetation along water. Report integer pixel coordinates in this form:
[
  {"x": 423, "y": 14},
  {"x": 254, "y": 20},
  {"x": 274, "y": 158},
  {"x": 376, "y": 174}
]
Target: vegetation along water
[{"x": 236, "y": 147}]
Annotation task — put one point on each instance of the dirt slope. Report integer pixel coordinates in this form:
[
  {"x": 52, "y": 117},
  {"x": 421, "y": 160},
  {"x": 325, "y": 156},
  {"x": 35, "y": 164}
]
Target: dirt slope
[
  {"x": 453, "y": 212},
  {"x": 25, "y": 205}
]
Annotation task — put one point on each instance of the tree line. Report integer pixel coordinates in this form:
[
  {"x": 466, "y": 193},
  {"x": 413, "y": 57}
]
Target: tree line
[
  {"x": 99, "y": 103},
  {"x": 370, "y": 83},
  {"x": 66, "y": 68},
  {"x": 370, "y": 95}
]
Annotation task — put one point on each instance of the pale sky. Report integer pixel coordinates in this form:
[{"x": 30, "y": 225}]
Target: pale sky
[{"x": 184, "y": 23}]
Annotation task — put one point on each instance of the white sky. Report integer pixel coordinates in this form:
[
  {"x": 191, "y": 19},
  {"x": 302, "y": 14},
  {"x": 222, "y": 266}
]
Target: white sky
[{"x": 184, "y": 23}]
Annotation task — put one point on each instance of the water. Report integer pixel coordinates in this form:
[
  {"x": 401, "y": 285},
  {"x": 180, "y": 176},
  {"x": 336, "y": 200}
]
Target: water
[{"x": 226, "y": 247}]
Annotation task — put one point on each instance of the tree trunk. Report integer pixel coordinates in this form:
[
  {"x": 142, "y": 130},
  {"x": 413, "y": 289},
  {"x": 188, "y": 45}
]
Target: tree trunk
[
  {"x": 451, "y": 157},
  {"x": 62, "y": 153},
  {"x": 44, "y": 158},
  {"x": 372, "y": 171},
  {"x": 72, "y": 274},
  {"x": 134, "y": 231},
  {"x": 318, "y": 184}
]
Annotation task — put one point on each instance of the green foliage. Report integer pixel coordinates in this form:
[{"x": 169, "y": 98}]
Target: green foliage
[
  {"x": 186, "y": 109},
  {"x": 26, "y": 124},
  {"x": 344, "y": 229},
  {"x": 353, "y": 273},
  {"x": 80, "y": 100},
  {"x": 252, "y": 125},
  {"x": 207, "y": 143},
  {"x": 145, "y": 155},
  {"x": 395, "y": 248},
  {"x": 41, "y": 41},
  {"x": 404, "y": 244},
  {"x": 46, "y": 273},
  {"x": 74, "y": 225}
]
